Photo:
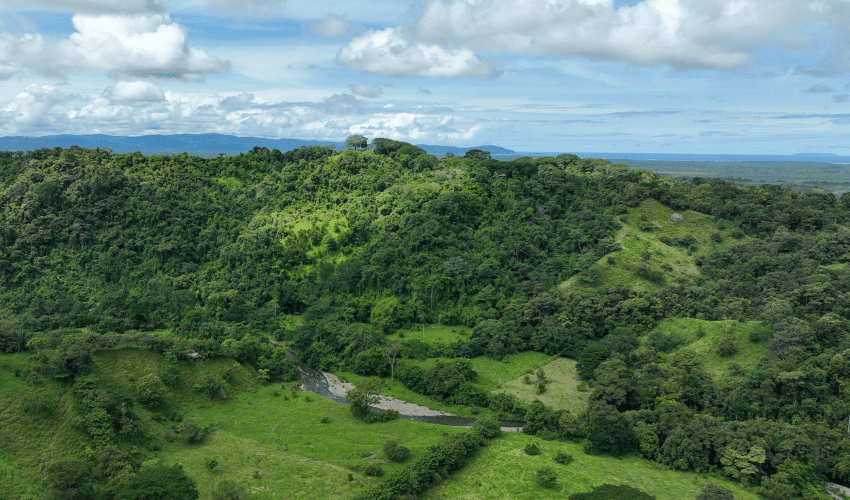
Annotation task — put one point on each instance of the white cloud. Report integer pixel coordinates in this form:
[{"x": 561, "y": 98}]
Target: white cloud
[
  {"x": 333, "y": 25},
  {"x": 366, "y": 90},
  {"x": 134, "y": 91},
  {"x": 392, "y": 52},
  {"x": 128, "y": 46},
  {"x": 131, "y": 108},
  {"x": 685, "y": 34}
]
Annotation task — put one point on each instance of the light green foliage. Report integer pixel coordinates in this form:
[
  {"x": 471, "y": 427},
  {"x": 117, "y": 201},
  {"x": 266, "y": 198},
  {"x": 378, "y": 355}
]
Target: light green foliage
[
  {"x": 562, "y": 387},
  {"x": 703, "y": 340},
  {"x": 655, "y": 250},
  {"x": 501, "y": 472}
]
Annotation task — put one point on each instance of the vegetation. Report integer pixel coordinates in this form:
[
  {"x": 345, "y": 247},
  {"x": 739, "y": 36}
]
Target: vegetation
[{"x": 695, "y": 323}]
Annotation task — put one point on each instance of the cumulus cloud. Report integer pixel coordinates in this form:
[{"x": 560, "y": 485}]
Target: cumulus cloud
[
  {"x": 817, "y": 89},
  {"x": 127, "y": 46},
  {"x": 333, "y": 25},
  {"x": 684, "y": 34},
  {"x": 392, "y": 52},
  {"x": 128, "y": 108},
  {"x": 366, "y": 90}
]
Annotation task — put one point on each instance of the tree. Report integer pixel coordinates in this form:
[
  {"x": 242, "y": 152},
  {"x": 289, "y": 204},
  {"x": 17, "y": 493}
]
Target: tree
[
  {"x": 477, "y": 154},
  {"x": 150, "y": 389},
  {"x": 362, "y": 396},
  {"x": 356, "y": 141},
  {"x": 393, "y": 349},
  {"x": 159, "y": 483}
]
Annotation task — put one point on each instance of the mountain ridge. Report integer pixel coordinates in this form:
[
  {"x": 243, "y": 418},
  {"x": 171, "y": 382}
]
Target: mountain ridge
[{"x": 198, "y": 144}]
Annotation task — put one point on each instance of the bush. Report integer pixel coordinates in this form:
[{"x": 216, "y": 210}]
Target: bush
[
  {"x": 374, "y": 470},
  {"x": 193, "y": 432},
  {"x": 532, "y": 449},
  {"x": 612, "y": 492},
  {"x": 325, "y": 420},
  {"x": 546, "y": 477},
  {"x": 712, "y": 492},
  {"x": 563, "y": 458},
  {"x": 727, "y": 348},
  {"x": 395, "y": 452}
]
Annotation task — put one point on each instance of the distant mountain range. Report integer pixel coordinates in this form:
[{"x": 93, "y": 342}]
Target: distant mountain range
[{"x": 195, "y": 144}]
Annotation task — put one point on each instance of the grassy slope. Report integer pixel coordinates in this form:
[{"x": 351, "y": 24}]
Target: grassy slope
[
  {"x": 503, "y": 471},
  {"x": 561, "y": 390},
  {"x": 702, "y": 338},
  {"x": 675, "y": 263},
  {"x": 278, "y": 448},
  {"x": 30, "y": 441}
]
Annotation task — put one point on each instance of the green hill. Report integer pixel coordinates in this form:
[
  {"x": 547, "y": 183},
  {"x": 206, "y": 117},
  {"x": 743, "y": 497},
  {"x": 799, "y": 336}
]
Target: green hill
[{"x": 148, "y": 303}]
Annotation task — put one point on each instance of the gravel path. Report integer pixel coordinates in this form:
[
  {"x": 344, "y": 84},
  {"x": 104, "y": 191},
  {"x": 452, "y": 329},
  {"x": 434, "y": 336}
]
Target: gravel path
[{"x": 339, "y": 388}]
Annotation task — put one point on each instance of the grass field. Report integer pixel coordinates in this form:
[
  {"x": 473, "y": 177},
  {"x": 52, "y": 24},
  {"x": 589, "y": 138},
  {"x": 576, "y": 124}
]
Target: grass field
[
  {"x": 702, "y": 338},
  {"x": 642, "y": 248},
  {"x": 434, "y": 334},
  {"x": 561, "y": 391},
  {"x": 277, "y": 446},
  {"x": 28, "y": 439},
  {"x": 503, "y": 471}
]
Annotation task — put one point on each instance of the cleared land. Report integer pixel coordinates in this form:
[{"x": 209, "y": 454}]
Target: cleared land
[
  {"x": 652, "y": 253},
  {"x": 503, "y": 471},
  {"x": 561, "y": 390},
  {"x": 701, "y": 339}
]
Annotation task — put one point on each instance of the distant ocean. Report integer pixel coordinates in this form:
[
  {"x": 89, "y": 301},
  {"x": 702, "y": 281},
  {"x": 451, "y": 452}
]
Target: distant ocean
[
  {"x": 799, "y": 157},
  {"x": 826, "y": 172}
]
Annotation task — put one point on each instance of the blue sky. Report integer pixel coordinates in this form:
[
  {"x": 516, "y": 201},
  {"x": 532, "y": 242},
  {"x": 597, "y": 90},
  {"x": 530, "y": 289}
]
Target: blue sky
[{"x": 677, "y": 76}]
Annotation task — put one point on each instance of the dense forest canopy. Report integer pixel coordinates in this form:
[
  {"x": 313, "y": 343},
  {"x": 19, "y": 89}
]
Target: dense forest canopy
[{"x": 330, "y": 250}]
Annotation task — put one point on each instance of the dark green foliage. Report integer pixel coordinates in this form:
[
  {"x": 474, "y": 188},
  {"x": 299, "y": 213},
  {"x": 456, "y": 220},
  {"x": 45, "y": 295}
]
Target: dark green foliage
[
  {"x": 563, "y": 458},
  {"x": 612, "y": 492},
  {"x": 210, "y": 463},
  {"x": 546, "y": 477},
  {"x": 727, "y": 347},
  {"x": 158, "y": 483},
  {"x": 395, "y": 452},
  {"x": 714, "y": 492},
  {"x": 532, "y": 449},
  {"x": 191, "y": 431},
  {"x": 374, "y": 470}
]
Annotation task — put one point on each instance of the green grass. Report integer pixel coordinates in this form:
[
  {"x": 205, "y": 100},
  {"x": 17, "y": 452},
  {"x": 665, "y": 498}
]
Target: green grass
[
  {"x": 292, "y": 452},
  {"x": 28, "y": 440},
  {"x": 503, "y": 471},
  {"x": 434, "y": 334},
  {"x": 702, "y": 338},
  {"x": 561, "y": 391},
  {"x": 670, "y": 263}
]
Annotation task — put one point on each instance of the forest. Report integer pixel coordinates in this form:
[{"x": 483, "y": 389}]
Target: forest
[{"x": 332, "y": 253}]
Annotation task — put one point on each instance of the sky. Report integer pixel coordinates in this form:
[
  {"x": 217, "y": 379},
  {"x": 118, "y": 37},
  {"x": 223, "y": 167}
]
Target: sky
[{"x": 664, "y": 76}]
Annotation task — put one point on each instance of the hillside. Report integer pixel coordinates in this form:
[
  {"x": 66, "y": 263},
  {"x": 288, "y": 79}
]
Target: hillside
[{"x": 714, "y": 342}]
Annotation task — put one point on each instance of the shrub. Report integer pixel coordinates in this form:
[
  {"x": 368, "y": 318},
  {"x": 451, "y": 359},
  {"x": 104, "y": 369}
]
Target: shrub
[
  {"x": 211, "y": 463},
  {"x": 532, "y": 449},
  {"x": 563, "y": 458},
  {"x": 546, "y": 477},
  {"x": 325, "y": 420},
  {"x": 712, "y": 492},
  {"x": 611, "y": 492},
  {"x": 727, "y": 347},
  {"x": 374, "y": 470},
  {"x": 193, "y": 432},
  {"x": 395, "y": 452}
]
